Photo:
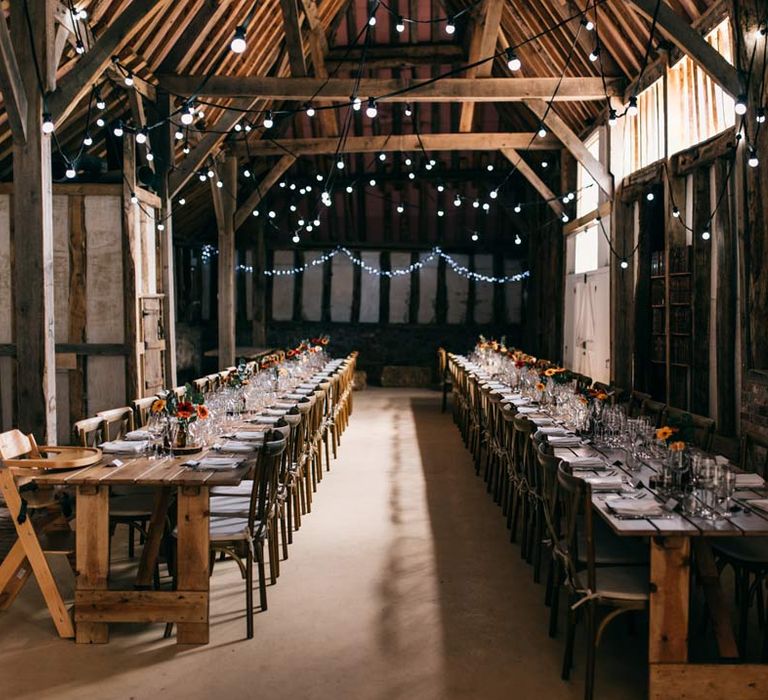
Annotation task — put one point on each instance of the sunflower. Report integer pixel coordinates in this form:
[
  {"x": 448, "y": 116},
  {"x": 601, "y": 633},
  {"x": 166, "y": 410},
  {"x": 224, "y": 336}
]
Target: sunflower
[
  {"x": 601, "y": 396},
  {"x": 158, "y": 406},
  {"x": 202, "y": 411},
  {"x": 677, "y": 446},
  {"x": 664, "y": 433},
  {"x": 540, "y": 386},
  {"x": 551, "y": 372}
]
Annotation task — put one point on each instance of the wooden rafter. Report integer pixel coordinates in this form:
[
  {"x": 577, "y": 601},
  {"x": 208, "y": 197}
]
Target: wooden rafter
[
  {"x": 397, "y": 55},
  {"x": 484, "y": 38},
  {"x": 401, "y": 143},
  {"x": 692, "y": 43},
  {"x": 530, "y": 174},
  {"x": 574, "y": 144},
  {"x": 76, "y": 84},
  {"x": 267, "y": 183},
  {"x": 339, "y": 89},
  {"x": 293, "y": 39},
  {"x": 318, "y": 49},
  {"x": 12, "y": 86}
]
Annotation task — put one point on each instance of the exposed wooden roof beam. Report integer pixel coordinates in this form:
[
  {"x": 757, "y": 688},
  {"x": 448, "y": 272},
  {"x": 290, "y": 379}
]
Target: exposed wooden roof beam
[
  {"x": 574, "y": 144},
  {"x": 267, "y": 183},
  {"x": 193, "y": 31},
  {"x": 484, "y": 38},
  {"x": 397, "y": 55},
  {"x": 318, "y": 49},
  {"x": 339, "y": 89},
  {"x": 530, "y": 174},
  {"x": 404, "y": 142},
  {"x": 12, "y": 86},
  {"x": 76, "y": 84},
  {"x": 293, "y": 40},
  {"x": 688, "y": 40}
]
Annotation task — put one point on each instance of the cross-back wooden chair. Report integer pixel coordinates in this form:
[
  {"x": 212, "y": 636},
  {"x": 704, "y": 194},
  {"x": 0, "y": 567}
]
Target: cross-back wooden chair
[
  {"x": 753, "y": 453},
  {"x": 635, "y": 404},
  {"x": 117, "y": 422},
  {"x": 89, "y": 432},
  {"x": 654, "y": 410},
  {"x": 141, "y": 409},
  {"x": 27, "y": 556}
]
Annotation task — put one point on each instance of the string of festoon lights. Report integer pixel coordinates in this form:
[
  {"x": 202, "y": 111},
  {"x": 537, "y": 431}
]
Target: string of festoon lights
[{"x": 209, "y": 252}]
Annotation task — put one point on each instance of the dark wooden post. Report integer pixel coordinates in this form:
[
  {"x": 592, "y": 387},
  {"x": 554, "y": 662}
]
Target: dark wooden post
[
  {"x": 33, "y": 230},
  {"x": 226, "y": 223},
  {"x": 134, "y": 386}
]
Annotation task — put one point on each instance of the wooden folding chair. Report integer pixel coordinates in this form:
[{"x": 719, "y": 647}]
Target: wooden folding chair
[{"x": 27, "y": 556}]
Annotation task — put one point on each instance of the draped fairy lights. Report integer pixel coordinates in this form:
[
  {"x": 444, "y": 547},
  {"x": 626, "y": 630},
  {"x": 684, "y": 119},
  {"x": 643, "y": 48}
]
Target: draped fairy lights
[{"x": 209, "y": 252}]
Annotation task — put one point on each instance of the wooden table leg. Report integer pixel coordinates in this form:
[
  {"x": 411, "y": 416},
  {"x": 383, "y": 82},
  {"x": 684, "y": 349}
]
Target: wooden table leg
[
  {"x": 668, "y": 606},
  {"x": 92, "y": 555},
  {"x": 192, "y": 561},
  {"x": 154, "y": 539}
]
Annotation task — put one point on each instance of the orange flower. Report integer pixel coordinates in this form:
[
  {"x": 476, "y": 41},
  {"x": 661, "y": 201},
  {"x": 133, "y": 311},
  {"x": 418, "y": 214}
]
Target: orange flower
[
  {"x": 158, "y": 406},
  {"x": 551, "y": 372},
  {"x": 539, "y": 386},
  {"x": 202, "y": 411},
  {"x": 601, "y": 396},
  {"x": 665, "y": 433},
  {"x": 677, "y": 446},
  {"x": 583, "y": 399},
  {"x": 185, "y": 410}
]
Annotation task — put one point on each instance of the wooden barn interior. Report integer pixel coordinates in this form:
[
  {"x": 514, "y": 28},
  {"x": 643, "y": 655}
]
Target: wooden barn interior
[{"x": 526, "y": 241}]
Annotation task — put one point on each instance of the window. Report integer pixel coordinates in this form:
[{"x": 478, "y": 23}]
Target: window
[
  {"x": 588, "y": 197},
  {"x": 586, "y": 250},
  {"x": 644, "y": 138},
  {"x": 698, "y": 108}
]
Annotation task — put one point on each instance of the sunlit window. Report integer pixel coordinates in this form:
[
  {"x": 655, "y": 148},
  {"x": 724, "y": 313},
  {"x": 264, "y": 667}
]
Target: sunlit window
[
  {"x": 586, "y": 250},
  {"x": 644, "y": 139},
  {"x": 698, "y": 107}
]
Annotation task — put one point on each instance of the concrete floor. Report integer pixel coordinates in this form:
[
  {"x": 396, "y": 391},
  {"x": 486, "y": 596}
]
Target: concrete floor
[{"x": 401, "y": 584}]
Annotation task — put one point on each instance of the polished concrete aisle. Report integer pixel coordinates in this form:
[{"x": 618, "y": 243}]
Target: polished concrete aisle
[{"x": 401, "y": 584}]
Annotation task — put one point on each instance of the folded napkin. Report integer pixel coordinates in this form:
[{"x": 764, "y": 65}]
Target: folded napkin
[
  {"x": 215, "y": 463},
  {"x": 304, "y": 392},
  {"x": 586, "y": 462},
  {"x": 749, "y": 480},
  {"x": 306, "y": 387},
  {"x": 249, "y": 435},
  {"x": 642, "y": 507},
  {"x": 266, "y": 420},
  {"x": 127, "y": 447},
  {"x": 554, "y": 430},
  {"x": 276, "y": 411},
  {"x": 295, "y": 397},
  {"x": 564, "y": 441},
  {"x": 605, "y": 483},
  {"x": 283, "y": 404},
  {"x": 540, "y": 420},
  {"x": 137, "y": 435},
  {"x": 526, "y": 409},
  {"x": 760, "y": 504},
  {"x": 237, "y": 446},
  {"x": 512, "y": 397},
  {"x": 520, "y": 401}
]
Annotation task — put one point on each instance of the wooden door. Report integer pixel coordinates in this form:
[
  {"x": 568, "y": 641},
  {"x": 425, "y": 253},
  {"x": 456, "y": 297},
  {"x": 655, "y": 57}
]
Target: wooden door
[{"x": 152, "y": 346}]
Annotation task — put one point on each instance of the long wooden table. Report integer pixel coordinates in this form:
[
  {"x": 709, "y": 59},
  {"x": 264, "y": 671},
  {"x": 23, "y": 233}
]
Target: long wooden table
[
  {"x": 96, "y": 605},
  {"x": 672, "y": 541}
]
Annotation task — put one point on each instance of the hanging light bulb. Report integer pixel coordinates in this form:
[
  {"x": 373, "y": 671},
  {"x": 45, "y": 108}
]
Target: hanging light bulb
[
  {"x": 150, "y": 156},
  {"x": 238, "y": 127},
  {"x": 161, "y": 226},
  {"x": 382, "y": 157},
  {"x": 440, "y": 213},
  {"x": 48, "y": 125},
  {"x": 740, "y": 106},
  {"x": 141, "y": 136},
  {"x": 238, "y": 44},
  {"x": 411, "y": 175},
  {"x": 310, "y": 110},
  {"x": 247, "y": 127},
  {"x": 316, "y": 222},
  {"x": 293, "y": 208},
  {"x": 489, "y": 167},
  {"x": 81, "y": 14},
  {"x": 623, "y": 264},
  {"x": 650, "y": 196},
  {"x": 588, "y": 24},
  {"x": 100, "y": 103},
  {"x": 518, "y": 208},
  {"x": 319, "y": 177},
  {"x": 428, "y": 166},
  {"x": 372, "y": 18},
  {"x": 301, "y": 222},
  {"x": 612, "y": 117},
  {"x": 186, "y": 149},
  {"x": 350, "y": 189},
  {"x": 676, "y": 212},
  {"x": 219, "y": 184},
  {"x": 71, "y": 173},
  {"x": 255, "y": 212},
  {"x": 182, "y": 201},
  {"x": 518, "y": 240},
  {"x": 269, "y": 122},
  {"x": 128, "y": 79},
  {"x": 400, "y": 26},
  {"x": 440, "y": 187},
  {"x": 188, "y": 115},
  {"x": 760, "y": 118},
  {"x": 400, "y": 208},
  {"x": 356, "y": 102},
  {"x": 486, "y": 206},
  {"x": 565, "y": 218},
  {"x": 271, "y": 214},
  {"x": 408, "y": 162},
  {"x": 450, "y": 26},
  {"x": 457, "y": 201},
  {"x": 310, "y": 228},
  {"x": 544, "y": 163},
  {"x": 340, "y": 164},
  {"x": 566, "y": 199},
  {"x": 594, "y": 54},
  {"x": 475, "y": 237},
  {"x": 87, "y": 141},
  {"x": 202, "y": 176},
  {"x": 100, "y": 122},
  {"x": 493, "y": 194},
  {"x": 296, "y": 238},
  {"x": 513, "y": 62},
  {"x": 705, "y": 235},
  {"x": 371, "y": 111},
  {"x": 408, "y": 111},
  {"x": 476, "y": 204},
  {"x": 753, "y": 161},
  {"x": 118, "y": 129},
  {"x": 292, "y": 186},
  {"x": 178, "y": 135},
  {"x": 79, "y": 48},
  {"x": 632, "y": 108},
  {"x": 247, "y": 173},
  {"x": 372, "y": 182},
  {"x": 542, "y": 132},
  {"x": 134, "y": 198}
]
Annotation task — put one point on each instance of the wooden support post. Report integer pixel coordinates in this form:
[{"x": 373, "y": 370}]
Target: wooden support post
[
  {"x": 226, "y": 222},
  {"x": 131, "y": 243},
  {"x": 33, "y": 233}
]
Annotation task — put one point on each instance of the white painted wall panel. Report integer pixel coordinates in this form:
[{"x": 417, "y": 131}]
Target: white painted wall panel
[
  {"x": 457, "y": 288},
  {"x": 483, "y": 290},
  {"x": 513, "y": 292},
  {"x": 312, "y": 290},
  {"x": 342, "y": 288},
  {"x": 427, "y": 292},
  {"x": 282, "y": 287},
  {"x": 370, "y": 289},
  {"x": 104, "y": 276},
  {"x": 399, "y": 289}
]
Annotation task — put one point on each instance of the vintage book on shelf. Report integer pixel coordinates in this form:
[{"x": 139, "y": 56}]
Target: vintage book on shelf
[
  {"x": 679, "y": 260},
  {"x": 659, "y": 348},
  {"x": 679, "y": 320},
  {"x": 657, "y": 292},
  {"x": 657, "y": 322},
  {"x": 680, "y": 290},
  {"x": 680, "y": 350}
]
